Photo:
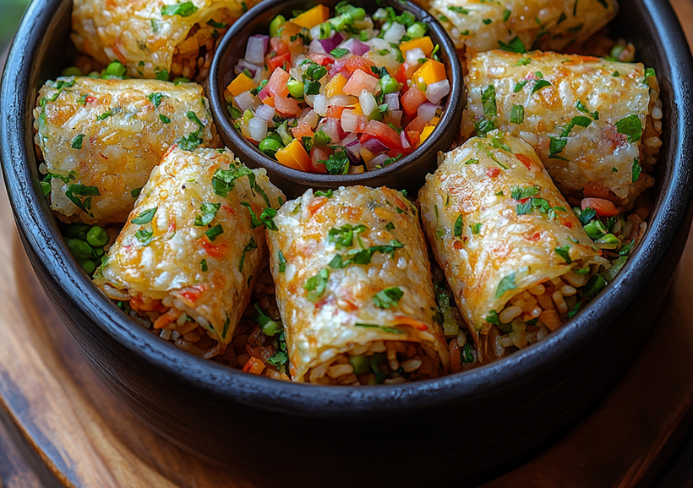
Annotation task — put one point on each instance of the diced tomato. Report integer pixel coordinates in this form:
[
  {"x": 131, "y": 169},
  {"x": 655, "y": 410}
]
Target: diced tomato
[
  {"x": 286, "y": 106},
  {"x": 192, "y": 293},
  {"x": 535, "y": 237},
  {"x": 214, "y": 251},
  {"x": 413, "y": 137},
  {"x": 416, "y": 125},
  {"x": 321, "y": 59},
  {"x": 334, "y": 112},
  {"x": 277, "y": 83},
  {"x": 90, "y": 99},
  {"x": 492, "y": 172},
  {"x": 568, "y": 224},
  {"x": 412, "y": 99},
  {"x": 355, "y": 63},
  {"x": 401, "y": 75},
  {"x": 383, "y": 133},
  {"x": 278, "y": 46},
  {"x": 524, "y": 160},
  {"x": 228, "y": 209},
  {"x": 604, "y": 208},
  {"x": 279, "y": 61},
  {"x": 302, "y": 130},
  {"x": 254, "y": 366},
  {"x": 360, "y": 81},
  {"x": 319, "y": 154}
]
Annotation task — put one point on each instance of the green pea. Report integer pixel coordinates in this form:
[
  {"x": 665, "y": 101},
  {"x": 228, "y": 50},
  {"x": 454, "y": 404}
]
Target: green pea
[
  {"x": 89, "y": 267},
  {"x": 270, "y": 146},
  {"x": 416, "y": 30},
  {"x": 99, "y": 251},
  {"x": 71, "y": 71},
  {"x": 389, "y": 84},
  {"x": 79, "y": 249},
  {"x": 97, "y": 236},
  {"x": 295, "y": 88},
  {"x": 116, "y": 68},
  {"x": 77, "y": 231},
  {"x": 277, "y": 23},
  {"x": 361, "y": 364}
]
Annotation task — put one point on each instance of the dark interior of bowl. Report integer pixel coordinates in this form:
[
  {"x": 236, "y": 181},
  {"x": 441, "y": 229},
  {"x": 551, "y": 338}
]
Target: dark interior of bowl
[
  {"x": 407, "y": 173},
  {"x": 457, "y": 429}
]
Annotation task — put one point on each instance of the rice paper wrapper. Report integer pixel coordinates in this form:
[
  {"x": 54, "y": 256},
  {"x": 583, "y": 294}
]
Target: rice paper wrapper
[
  {"x": 522, "y": 25},
  {"x": 100, "y": 139},
  {"x": 199, "y": 245},
  {"x": 144, "y": 35},
  {"x": 491, "y": 245},
  {"x": 319, "y": 326},
  {"x": 584, "y": 116}
]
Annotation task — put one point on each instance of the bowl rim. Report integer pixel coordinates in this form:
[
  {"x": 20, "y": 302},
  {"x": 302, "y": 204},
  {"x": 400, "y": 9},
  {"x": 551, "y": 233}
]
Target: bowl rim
[
  {"x": 247, "y": 151},
  {"x": 38, "y": 230}
]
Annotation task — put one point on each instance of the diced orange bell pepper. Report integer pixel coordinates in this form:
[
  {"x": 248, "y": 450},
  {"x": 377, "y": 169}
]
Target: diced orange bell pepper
[
  {"x": 269, "y": 101},
  {"x": 294, "y": 156},
  {"x": 424, "y": 43},
  {"x": 431, "y": 72},
  {"x": 315, "y": 16},
  {"x": 290, "y": 29},
  {"x": 240, "y": 85},
  {"x": 336, "y": 86}
]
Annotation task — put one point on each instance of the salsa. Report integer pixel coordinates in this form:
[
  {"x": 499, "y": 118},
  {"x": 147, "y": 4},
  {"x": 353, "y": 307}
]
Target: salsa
[{"x": 340, "y": 94}]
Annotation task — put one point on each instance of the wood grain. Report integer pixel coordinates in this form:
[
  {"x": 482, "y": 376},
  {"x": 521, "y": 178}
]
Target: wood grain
[{"x": 87, "y": 438}]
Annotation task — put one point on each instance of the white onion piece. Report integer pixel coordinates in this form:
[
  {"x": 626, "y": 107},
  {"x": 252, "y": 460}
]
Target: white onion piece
[
  {"x": 350, "y": 121},
  {"x": 315, "y": 33},
  {"x": 395, "y": 33},
  {"x": 310, "y": 99},
  {"x": 320, "y": 105},
  {"x": 331, "y": 128},
  {"x": 436, "y": 91},
  {"x": 312, "y": 119},
  {"x": 378, "y": 44},
  {"x": 257, "y": 128},
  {"x": 405, "y": 142},
  {"x": 255, "y": 49},
  {"x": 392, "y": 100},
  {"x": 376, "y": 161},
  {"x": 245, "y": 101},
  {"x": 315, "y": 46},
  {"x": 368, "y": 103},
  {"x": 427, "y": 111},
  {"x": 265, "y": 112},
  {"x": 342, "y": 101},
  {"x": 413, "y": 56}
]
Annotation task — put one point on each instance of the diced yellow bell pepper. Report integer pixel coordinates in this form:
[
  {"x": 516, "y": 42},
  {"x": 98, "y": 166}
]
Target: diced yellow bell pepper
[
  {"x": 240, "y": 85},
  {"x": 290, "y": 29},
  {"x": 434, "y": 121},
  {"x": 366, "y": 154},
  {"x": 357, "y": 108},
  {"x": 424, "y": 43},
  {"x": 428, "y": 130},
  {"x": 294, "y": 156},
  {"x": 315, "y": 16},
  {"x": 336, "y": 86},
  {"x": 431, "y": 72}
]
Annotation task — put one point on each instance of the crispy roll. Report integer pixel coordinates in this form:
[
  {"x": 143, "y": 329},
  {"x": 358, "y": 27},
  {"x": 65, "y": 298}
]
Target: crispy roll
[
  {"x": 511, "y": 248},
  {"x": 353, "y": 285},
  {"x": 154, "y": 39},
  {"x": 589, "y": 119},
  {"x": 522, "y": 25},
  {"x": 192, "y": 247},
  {"x": 100, "y": 140}
]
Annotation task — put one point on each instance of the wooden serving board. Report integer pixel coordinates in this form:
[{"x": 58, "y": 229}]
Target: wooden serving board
[{"x": 62, "y": 427}]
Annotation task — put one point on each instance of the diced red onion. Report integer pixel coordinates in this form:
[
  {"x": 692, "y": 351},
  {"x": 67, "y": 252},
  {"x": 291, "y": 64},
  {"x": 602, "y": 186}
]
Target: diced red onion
[
  {"x": 256, "y": 48},
  {"x": 427, "y": 111},
  {"x": 350, "y": 140},
  {"x": 243, "y": 64},
  {"x": 245, "y": 101},
  {"x": 265, "y": 112},
  {"x": 354, "y": 157},
  {"x": 316, "y": 47},
  {"x": 331, "y": 43},
  {"x": 413, "y": 56},
  {"x": 264, "y": 93},
  {"x": 376, "y": 161},
  {"x": 436, "y": 91},
  {"x": 375, "y": 146},
  {"x": 392, "y": 100},
  {"x": 355, "y": 46},
  {"x": 405, "y": 142}
]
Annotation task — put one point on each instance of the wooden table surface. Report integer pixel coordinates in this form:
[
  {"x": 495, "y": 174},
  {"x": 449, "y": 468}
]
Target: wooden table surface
[{"x": 59, "y": 426}]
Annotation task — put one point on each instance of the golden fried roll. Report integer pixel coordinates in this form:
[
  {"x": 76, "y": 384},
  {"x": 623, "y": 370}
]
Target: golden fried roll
[
  {"x": 353, "y": 285},
  {"x": 522, "y": 25},
  {"x": 589, "y": 119},
  {"x": 193, "y": 245},
  {"x": 100, "y": 140},
  {"x": 154, "y": 39},
  {"x": 512, "y": 249}
]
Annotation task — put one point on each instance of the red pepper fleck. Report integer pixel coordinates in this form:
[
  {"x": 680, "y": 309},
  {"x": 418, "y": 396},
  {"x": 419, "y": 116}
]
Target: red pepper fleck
[
  {"x": 534, "y": 237},
  {"x": 90, "y": 99},
  {"x": 524, "y": 160},
  {"x": 568, "y": 224},
  {"x": 492, "y": 172}
]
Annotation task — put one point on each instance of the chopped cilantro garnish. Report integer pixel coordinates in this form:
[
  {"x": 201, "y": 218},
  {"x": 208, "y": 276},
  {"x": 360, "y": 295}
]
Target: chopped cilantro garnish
[{"x": 388, "y": 297}]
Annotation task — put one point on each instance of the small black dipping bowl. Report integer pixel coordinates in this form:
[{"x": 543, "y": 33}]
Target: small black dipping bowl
[
  {"x": 407, "y": 173},
  {"x": 452, "y": 431}
]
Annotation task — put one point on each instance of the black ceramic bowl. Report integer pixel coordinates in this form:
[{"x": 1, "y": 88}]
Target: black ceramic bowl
[
  {"x": 453, "y": 430},
  {"x": 407, "y": 173}
]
